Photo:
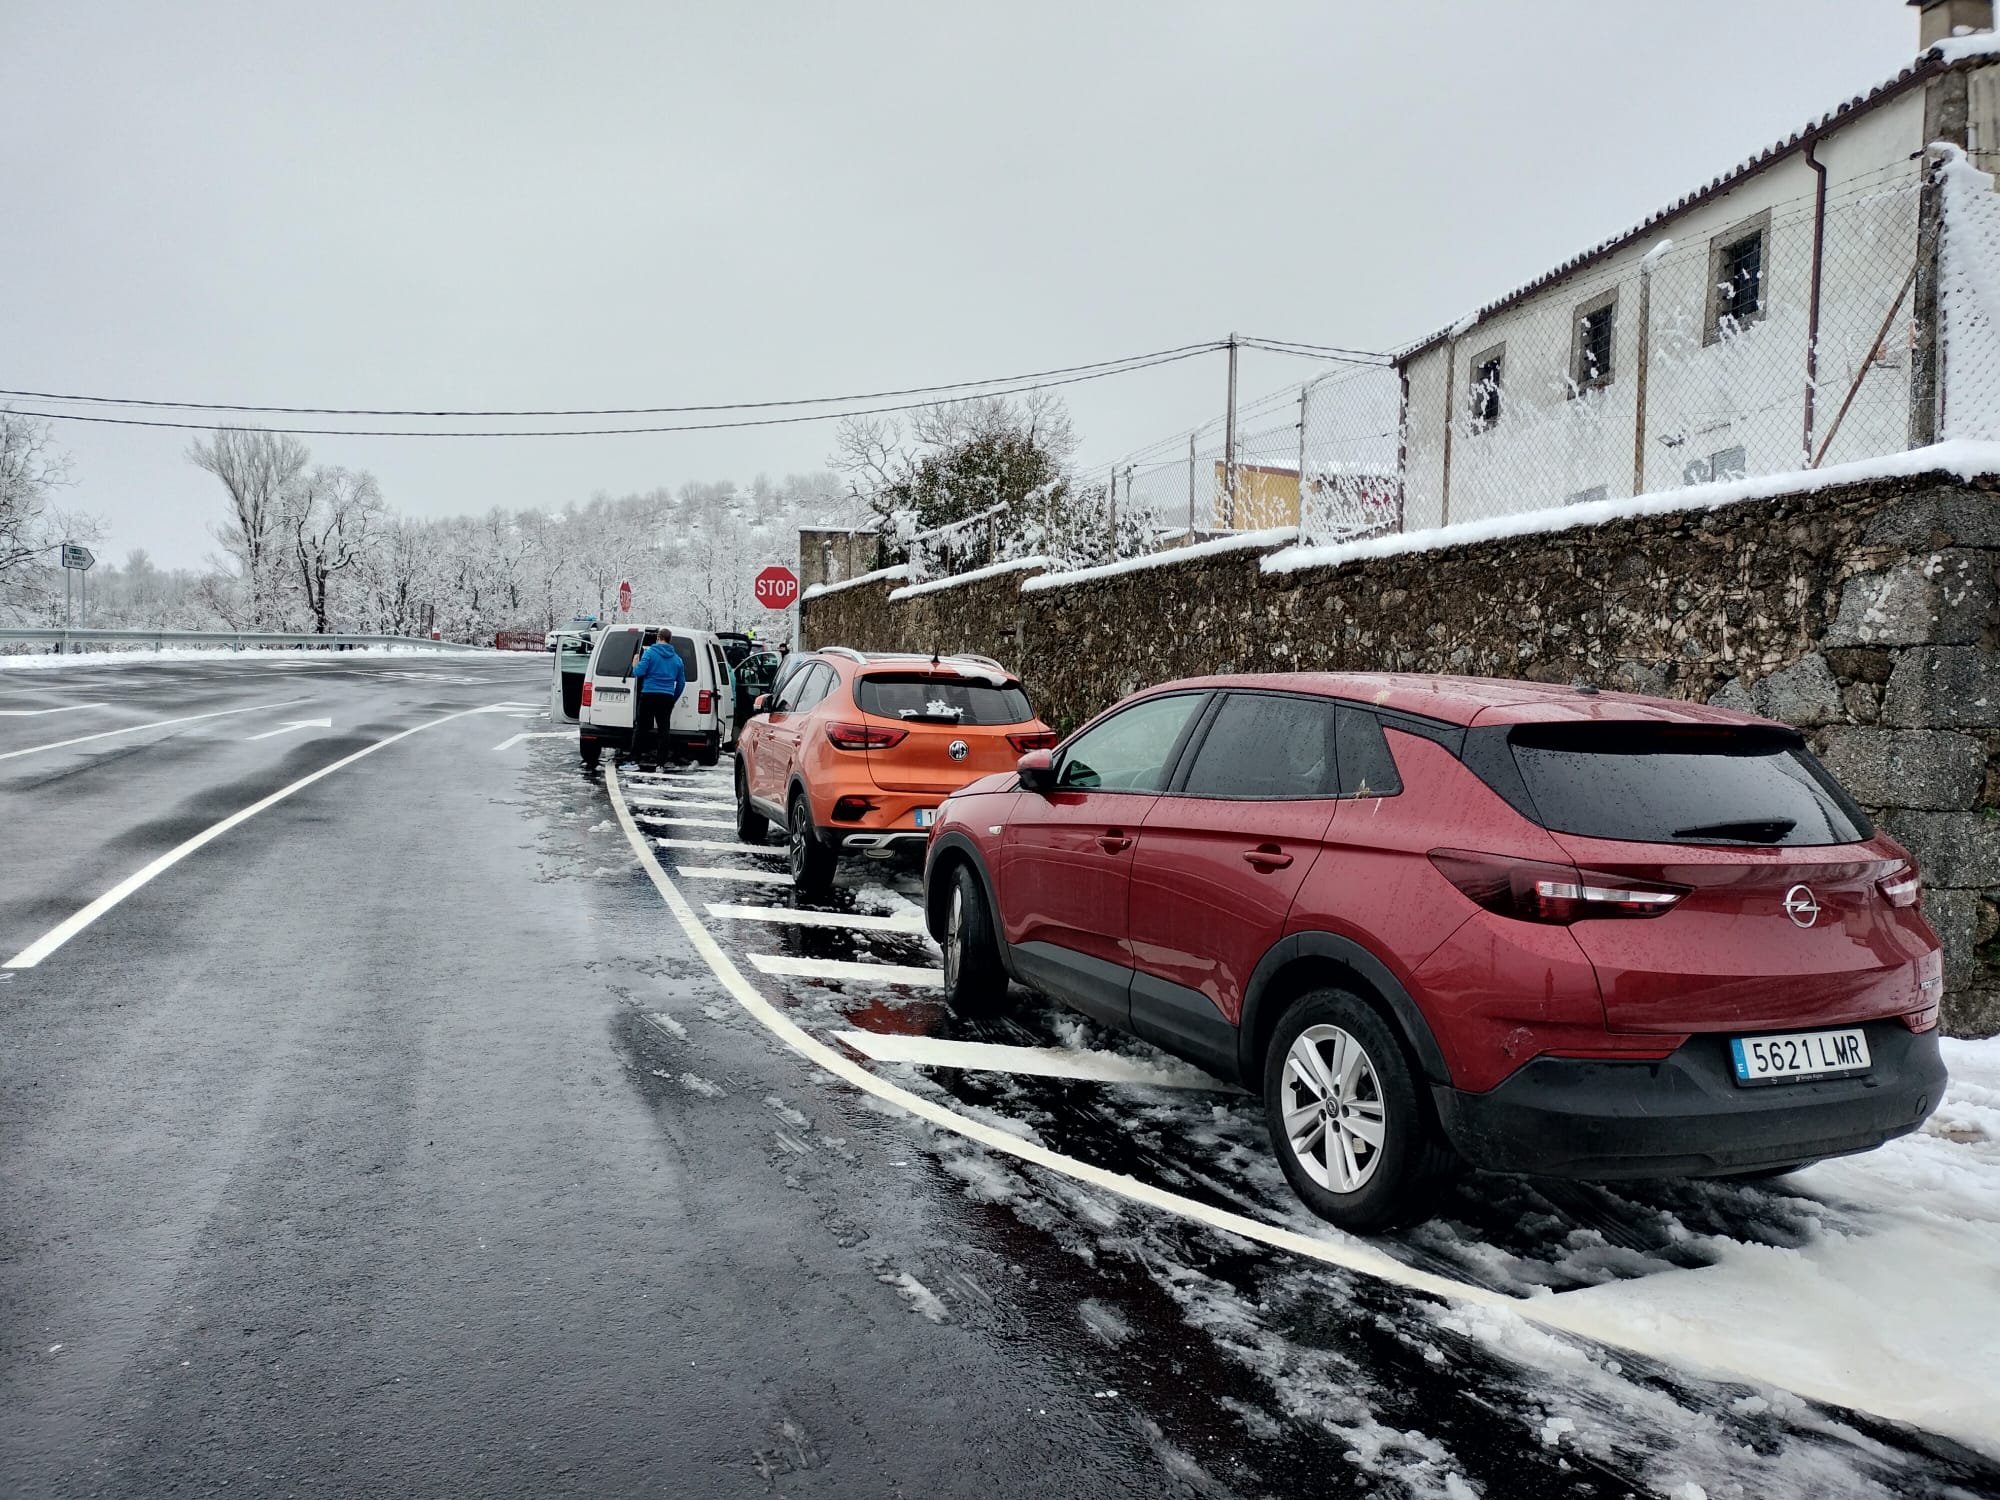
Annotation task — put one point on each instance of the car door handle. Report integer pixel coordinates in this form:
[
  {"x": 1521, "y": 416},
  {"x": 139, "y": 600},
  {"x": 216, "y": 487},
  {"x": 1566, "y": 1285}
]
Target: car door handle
[
  {"x": 1267, "y": 859},
  {"x": 1113, "y": 842}
]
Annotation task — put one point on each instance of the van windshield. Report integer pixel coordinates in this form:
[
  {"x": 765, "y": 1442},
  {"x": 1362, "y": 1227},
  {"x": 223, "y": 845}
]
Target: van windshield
[{"x": 1683, "y": 784}]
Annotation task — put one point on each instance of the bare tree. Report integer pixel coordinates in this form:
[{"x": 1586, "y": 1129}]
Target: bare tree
[
  {"x": 29, "y": 469},
  {"x": 259, "y": 470},
  {"x": 333, "y": 518}
]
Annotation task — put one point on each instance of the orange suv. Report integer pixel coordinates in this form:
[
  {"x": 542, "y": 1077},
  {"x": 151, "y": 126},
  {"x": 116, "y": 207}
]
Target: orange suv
[{"x": 855, "y": 752}]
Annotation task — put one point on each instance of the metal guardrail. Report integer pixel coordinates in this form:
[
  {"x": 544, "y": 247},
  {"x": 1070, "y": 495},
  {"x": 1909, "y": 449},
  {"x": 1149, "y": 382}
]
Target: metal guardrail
[{"x": 67, "y": 639}]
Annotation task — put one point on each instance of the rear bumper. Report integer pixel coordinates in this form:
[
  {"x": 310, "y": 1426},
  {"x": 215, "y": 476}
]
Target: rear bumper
[
  {"x": 1685, "y": 1116},
  {"x": 619, "y": 737}
]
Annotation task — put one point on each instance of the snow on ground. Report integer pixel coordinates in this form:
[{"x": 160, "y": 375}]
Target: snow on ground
[{"x": 275, "y": 657}]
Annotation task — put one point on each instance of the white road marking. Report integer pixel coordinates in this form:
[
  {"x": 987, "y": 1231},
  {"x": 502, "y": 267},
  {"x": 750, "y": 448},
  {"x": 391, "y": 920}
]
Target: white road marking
[
  {"x": 909, "y": 922},
  {"x": 288, "y": 728},
  {"x": 537, "y": 734},
  {"x": 694, "y": 802},
  {"x": 35, "y": 713},
  {"x": 84, "y": 739},
  {"x": 1042, "y": 1062},
  {"x": 688, "y": 822},
  {"x": 70, "y": 926},
  {"x": 718, "y": 872},
  {"x": 716, "y": 846},
  {"x": 836, "y": 968},
  {"x": 1328, "y": 1246}
]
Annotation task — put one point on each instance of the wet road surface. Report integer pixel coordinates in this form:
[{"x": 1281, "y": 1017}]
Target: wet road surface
[{"x": 397, "y": 1141}]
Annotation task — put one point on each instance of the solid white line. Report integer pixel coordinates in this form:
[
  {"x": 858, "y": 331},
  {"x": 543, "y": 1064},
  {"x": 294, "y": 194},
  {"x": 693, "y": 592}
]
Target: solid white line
[
  {"x": 910, "y": 922},
  {"x": 697, "y": 803},
  {"x": 835, "y": 968},
  {"x": 688, "y": 822},
  {"x": 1329, "y": 1247},
  {"x": 716, "y": 846},
  {"x": 539, "y": 734},
  {"x": 70, "y": 926},
  {"x": 1041, "y": 1062},
  {"x": 84, "y": 739},
  {"x": 748, "y": 877},
  {"x": 35, "y": 713},
  {"x": 1351, "y": 1254}
]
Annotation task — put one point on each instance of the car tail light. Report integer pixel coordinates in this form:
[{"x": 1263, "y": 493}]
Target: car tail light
[
  {"x": 852, "y": 809},
  {"x": 704, "y": 702},
  {"x": 1537, "y": 892},
  {"x": 1902, "y": 887},
  {"x": 586, "y": 692},
  {"x": 865, "y": 736},
  {"x": 1036, "y": 739}
]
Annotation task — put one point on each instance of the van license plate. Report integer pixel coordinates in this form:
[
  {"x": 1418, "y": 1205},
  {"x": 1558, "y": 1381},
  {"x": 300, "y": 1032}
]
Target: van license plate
[
  {"x": 926, "y": 816},
  {"x": 1800, "y": 1055}
]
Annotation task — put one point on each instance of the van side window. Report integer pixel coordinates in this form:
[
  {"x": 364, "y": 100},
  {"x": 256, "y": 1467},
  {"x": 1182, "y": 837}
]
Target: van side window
[{"x": 1366, "y": 767}]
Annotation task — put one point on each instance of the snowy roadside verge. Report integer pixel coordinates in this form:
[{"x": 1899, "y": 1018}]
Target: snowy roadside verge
[{"x": 284, "y": 656}]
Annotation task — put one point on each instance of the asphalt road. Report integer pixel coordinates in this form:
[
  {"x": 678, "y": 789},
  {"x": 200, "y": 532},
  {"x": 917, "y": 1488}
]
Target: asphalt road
[{"x": 398, "y": 1141}]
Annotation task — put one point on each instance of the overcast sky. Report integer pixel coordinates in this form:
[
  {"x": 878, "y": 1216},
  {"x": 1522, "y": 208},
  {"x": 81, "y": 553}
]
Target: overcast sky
[{"x": 512, "y": 204}]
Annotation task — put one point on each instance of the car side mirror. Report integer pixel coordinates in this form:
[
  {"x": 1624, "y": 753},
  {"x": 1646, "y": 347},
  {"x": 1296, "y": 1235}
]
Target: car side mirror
[
  {"x": 762, "y": 705},
  {"x": 1038, "y": 771}
]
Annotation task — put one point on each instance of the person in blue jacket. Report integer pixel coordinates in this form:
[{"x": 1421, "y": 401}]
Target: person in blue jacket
[{"x": 658, "y": 677}]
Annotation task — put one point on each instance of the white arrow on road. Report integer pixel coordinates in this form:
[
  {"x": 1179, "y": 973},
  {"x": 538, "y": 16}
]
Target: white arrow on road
[{"x": 295, "y": 724}]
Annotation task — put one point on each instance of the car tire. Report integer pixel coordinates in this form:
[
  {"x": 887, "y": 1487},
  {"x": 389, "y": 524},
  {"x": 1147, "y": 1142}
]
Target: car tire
[
  {"x": 975, "y": 982},
  {"x": 709, "y": 754},
  {"x": 752, "y": 827},
  {"x": 1342, "y": 1176},
  {"x": 590, "y": 750},
  {"x": 809, "y": 857}
]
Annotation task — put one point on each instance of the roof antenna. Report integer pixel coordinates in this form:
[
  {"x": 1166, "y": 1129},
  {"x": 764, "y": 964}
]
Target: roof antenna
[{"x": 934, "y": 658}]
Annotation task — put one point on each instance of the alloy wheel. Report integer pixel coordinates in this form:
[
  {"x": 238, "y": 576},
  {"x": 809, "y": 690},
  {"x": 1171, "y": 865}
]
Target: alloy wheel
[
  {"x": 954, "y": 938},
  {"x": 795, "y": 843},
  {"x": 1335, "y": 1117}
]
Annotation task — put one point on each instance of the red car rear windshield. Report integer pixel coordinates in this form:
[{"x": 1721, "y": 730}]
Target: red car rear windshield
[
  {"x": 1683, "y": 784},
  {"x": 941, "y": 699}
]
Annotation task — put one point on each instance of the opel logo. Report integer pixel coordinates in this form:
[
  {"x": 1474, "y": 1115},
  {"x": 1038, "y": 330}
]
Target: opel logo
[
  {"x": 1800, "y": 906},
  {"x": 958, "y": 750}
]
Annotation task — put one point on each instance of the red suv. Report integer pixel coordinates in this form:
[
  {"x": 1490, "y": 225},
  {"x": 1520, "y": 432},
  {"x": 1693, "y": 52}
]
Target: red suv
[{"x": 1540, "y": 929}]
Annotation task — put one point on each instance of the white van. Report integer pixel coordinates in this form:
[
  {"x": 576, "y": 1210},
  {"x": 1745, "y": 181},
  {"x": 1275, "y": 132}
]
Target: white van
[{"x": 704, "y": 719}]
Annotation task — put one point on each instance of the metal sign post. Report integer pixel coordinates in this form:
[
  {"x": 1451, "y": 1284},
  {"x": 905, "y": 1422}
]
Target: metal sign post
[{"x": 76, "y": 559}]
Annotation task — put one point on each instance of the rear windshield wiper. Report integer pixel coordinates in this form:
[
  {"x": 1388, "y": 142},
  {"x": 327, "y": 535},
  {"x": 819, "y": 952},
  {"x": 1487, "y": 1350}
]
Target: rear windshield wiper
[{"x": 1748, "y": 830}]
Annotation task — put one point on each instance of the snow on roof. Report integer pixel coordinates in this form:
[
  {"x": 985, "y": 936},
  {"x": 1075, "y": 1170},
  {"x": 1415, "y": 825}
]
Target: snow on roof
[
  {"x": 1963, "y": 459},
  {"x": 880, "y": 575},
  {"x": 1247, "y": 541},
  {"x": 1955, "y": 52},
  {"x": 992, "y": 570}
]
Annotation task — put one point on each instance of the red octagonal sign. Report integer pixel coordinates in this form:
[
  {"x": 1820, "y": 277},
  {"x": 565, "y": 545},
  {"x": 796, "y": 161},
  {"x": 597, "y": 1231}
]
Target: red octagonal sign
[{"x": 777, "y": 587}]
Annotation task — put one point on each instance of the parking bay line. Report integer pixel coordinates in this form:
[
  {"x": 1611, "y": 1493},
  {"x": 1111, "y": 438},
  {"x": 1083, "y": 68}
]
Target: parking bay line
[
  {"x": 910, "y": 923},
  {"x": 538, "y": 734},
  {"x": 694, "y": 802},
  {"x": 714, "y": 846},
  {"x": 36, "y": 713},
  {"x": 1330, "y": 1247},
  {"x": 786, "y": 965},
  {"x": 1041, "y": 1062},
  {"x": 84, "y": 739},
  {"x": 688, "y": 822},
  {"x": 719, "y": 872},
  {"x": 70, "y": 926}
]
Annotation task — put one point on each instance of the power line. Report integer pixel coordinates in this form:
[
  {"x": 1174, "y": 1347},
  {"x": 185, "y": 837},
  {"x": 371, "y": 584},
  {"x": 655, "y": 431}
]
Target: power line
[
  {"x": 1137, "y": 363},
  {"x": 1316, "y": 351},
  {"x": 1106, "y": 366}
]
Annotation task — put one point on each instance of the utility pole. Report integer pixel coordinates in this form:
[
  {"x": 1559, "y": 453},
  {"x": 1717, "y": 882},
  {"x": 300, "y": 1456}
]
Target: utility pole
[
  {"x": 1300, "y": 519},
  {"x": 1229, "y": 442},
  {"x": 1190, "y": 487},
  {"x": 1111, "y": 492}
]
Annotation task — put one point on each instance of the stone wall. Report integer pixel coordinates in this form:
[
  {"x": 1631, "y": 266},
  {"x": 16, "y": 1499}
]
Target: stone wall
[{"x": 1865, "y": 614}]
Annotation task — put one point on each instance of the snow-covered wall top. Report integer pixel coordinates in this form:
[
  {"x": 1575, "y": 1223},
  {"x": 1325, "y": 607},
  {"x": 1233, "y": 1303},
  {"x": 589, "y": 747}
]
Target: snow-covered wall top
[
  {"x": 880, "y": 575},
  {"x": 976, "y": 575}
]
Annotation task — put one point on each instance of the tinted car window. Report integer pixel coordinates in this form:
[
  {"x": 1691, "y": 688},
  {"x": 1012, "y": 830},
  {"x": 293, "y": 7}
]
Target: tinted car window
[
  {"x": 810, "y": 686},
  {"x": 1266, "y": 745},
  {"x": 1685, "y": 784},
  {"x": 1366, "y": 767},
  {"x": 1129, "y": 751},
  {"x": 944, "y": 700},
  {"x": 795, "y": 685},
  {"x": 615, "y": 659},
  {"x": 685, "y": 649},
  {"x": 757, "y": 671}
]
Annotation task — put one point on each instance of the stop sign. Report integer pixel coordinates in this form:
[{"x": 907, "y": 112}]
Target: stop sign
[
  {"x": 624, "y": 598},
  {"x": 777, "y": 587}
]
